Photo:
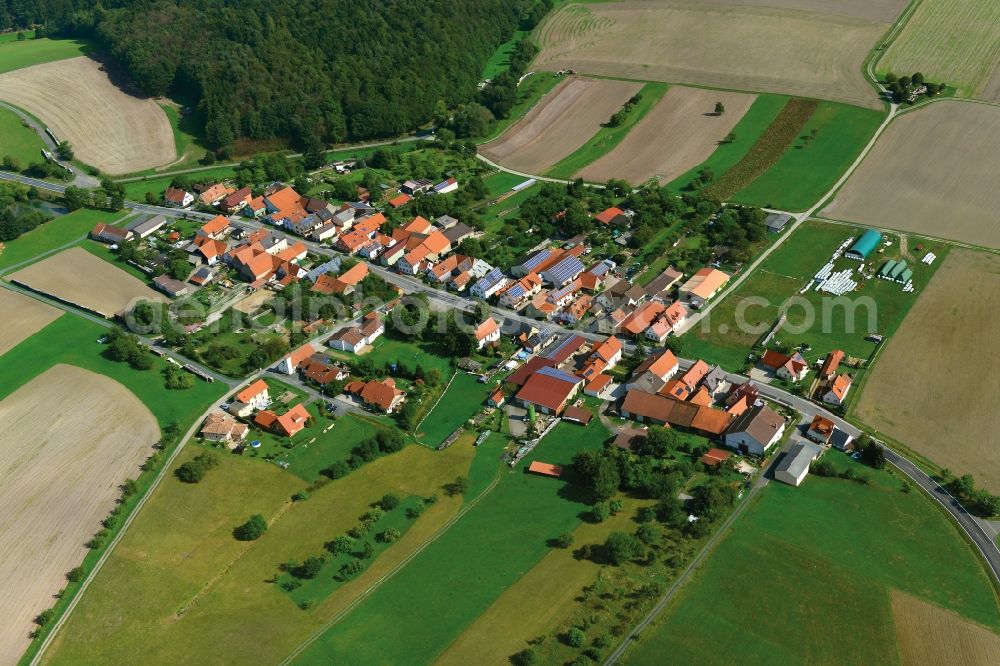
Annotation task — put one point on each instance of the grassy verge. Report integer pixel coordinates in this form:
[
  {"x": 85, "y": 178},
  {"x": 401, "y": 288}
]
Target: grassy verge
[
  {"x": 17, "y": 55},
  {"x": 494, "y": 544},
  {"x": 136, "y": 190},
  {"x": 838, "y": 540},
  {"x": 828, "y": 144},
  {"x": 766, "y": 150},
  {"x": 60, "y": 231},
  {"x": 608, "y": 137},
  {"x": 17, "y": 140}
]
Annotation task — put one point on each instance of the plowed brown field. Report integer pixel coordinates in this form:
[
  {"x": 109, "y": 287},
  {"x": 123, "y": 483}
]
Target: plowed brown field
[
  {"x": 22, "y": 316},
  {"x": 679, "y": 133},
  {"x": 69, "y": 438},
  {"x": 559, "y": 124}
]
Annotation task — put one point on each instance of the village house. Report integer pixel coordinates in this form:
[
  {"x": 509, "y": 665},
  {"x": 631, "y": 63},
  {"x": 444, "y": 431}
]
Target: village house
[
  {"x": 487, "y": 333},
  {"x": 830, "y": 365},
  {"x": 382, "y": 396},
  {"x": 489, "y": 284},
  {"x": 418, "y": 186},
  {"x": 289, "y": 365},
  {"x": 216, "y": 229},
  {"x": 521, "y": 292},
  {"x": 755, "y": 430},
  {"x": 563, "y": 272},
  {"x": 177, "y": 198},
  {"x": 343, "y": 284},
  {"x": 655, "y": 408},
  {"x": 220, "y": 427},
  {"x": 820, "y": 430},
  {"x": 355, "y": 338},
  {"x": 659, "y": 288},
  {"x": 213, "y": 194},
  {"x": 234, "y": 202},
  {"x": 250, "y": 399},
  {"x": 287, "y": 424},
  {"x": 653, "y": 373},
  {"x": 791, "y": 368},
  {"x": 612, "y": 216},
  {"x": 321, "y": 370},
  {"x": 837, "y": 390}
]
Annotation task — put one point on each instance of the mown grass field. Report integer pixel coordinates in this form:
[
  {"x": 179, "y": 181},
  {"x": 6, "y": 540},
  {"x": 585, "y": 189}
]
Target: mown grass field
[
  {"x": 441, "y": 591},
  {"x": 820, "y": 559},
  {"x": 392, "y": 351},
  {"x": 204, "y": 593},
  {"x": 16, "y": 55},
  {"x": 954, "y": 41},
  {"x": 758, "y": 118},
  {"x": 459, "y": 403},
  {"x": 18, "y": 141},
  {"x": 766, "y": 150},
  {"x": 608, "y": 137},
  {"x": 728, "y": 341},
  {"x": 62, "y": 230},
  {"x": 827, "y": 145},
  {"x": 74, "y": 340}
]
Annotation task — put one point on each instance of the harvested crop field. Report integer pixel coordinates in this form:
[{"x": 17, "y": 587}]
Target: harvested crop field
[
  {"x": 955, "y": 41},
  {"x": 23, "y": 316},
  {"x": 679, "y": 133},
  {"x": 560, "y": 123},
  {"x": 927, "y": 634},
  {"x": 71, "y": 437},
  {"x": 956, "y": 317},
  {"x": 78, "y": 277},
  {"x": 933, "y": 171},
  {"x": 719, "y": 44},
  {"x": 107, "y": 127}
]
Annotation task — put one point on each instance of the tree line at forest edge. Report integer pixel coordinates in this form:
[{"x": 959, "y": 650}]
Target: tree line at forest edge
[{"x": 315, "y": 74}]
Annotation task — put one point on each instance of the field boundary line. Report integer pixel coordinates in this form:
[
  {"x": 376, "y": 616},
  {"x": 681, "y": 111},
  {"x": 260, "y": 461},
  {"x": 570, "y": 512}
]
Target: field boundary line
[{"x": 344, "y": 612}]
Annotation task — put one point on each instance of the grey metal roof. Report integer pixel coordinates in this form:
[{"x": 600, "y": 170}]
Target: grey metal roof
[{"x": 797, "y": 458}]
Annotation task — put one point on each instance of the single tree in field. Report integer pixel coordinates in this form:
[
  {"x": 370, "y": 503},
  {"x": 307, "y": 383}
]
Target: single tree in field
[
  {"x": 251, "y": 530},
  {"x": 720, "y": 108}
]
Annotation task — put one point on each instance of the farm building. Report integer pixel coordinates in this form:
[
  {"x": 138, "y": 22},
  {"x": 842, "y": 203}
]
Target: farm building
[
  {"x": 776, "y": 222},
  {"x": 794, "y": 467},
  {"x": 105, "y": 233},
  {"x": 143, "y": 228},
  {"x": 864, "y": 246},
  {"x": 170, "y": 286},
  {"x": 755, "y": 430},
  {"x": 613, "y": 215},
  {"x": 549, "y": 389},
  {"x": 578, "y": 415}
]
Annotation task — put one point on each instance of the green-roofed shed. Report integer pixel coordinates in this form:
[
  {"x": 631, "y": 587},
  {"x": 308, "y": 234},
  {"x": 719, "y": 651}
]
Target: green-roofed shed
[
  {"x": 897, "y": 270},
  {"x": 864, "y": 246},
  {"x": 906, "y": 276},
  {"x": 886, "y": 267}
]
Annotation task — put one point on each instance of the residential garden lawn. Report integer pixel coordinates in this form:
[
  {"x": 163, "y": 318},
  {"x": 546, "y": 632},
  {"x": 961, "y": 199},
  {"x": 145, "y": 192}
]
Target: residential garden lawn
[
  {"x": 15, "y": 54},
  {"x": 757, "y": 118},
  {"x": 18, "y": 141},
  {"x": 781, "y": 277},
  {"x": 495, "y": 215},
  {"x": 459, "y": 403},
  {"x": 307, "y": 458},
  {"x": 329, "y": 579},
  {"x": 430, "y": 602},
  {"x": 808, "y": 551},
  {"x": 809, "y": 168},
  {"x": 486, "y": 465},
  {"x": 388, "y": 350},
  {"x": 531, "y": 90},
  {"x": 245, "y": 343},
  {"x": 62, "y": 230},
  {"x": 74, "y": 340},
  {"x": 205, "y": 594},
  {"x": 608, "y": 137},
  {"x": 136, "y": 190}
]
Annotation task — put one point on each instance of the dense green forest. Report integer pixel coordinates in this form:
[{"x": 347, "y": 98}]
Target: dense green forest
[{"x": 313, "y": 71}]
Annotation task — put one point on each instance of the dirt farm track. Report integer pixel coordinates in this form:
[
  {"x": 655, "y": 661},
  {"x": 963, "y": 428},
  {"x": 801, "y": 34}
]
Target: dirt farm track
[
  {"x": 941, "y": 368},
  {"x": 934, "y": 171},
  {"x": 109, "y": 129},
  {"x": 70, "y": 436},
  {"x": 78, "y": 277},
  {"x": 22, "y": 316},
  {"x": 562, "y": 122},
  {"x": 794, "y": 47},
  {"x": 679, "y": 133}
]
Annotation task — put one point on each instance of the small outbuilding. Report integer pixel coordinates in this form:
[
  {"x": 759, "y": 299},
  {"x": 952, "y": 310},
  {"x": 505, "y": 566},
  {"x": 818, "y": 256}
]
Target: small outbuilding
[
  {"x": 545, "y": 469},
  {"x": 794, "y": 467}
]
